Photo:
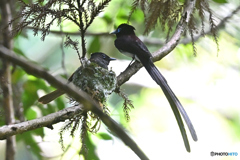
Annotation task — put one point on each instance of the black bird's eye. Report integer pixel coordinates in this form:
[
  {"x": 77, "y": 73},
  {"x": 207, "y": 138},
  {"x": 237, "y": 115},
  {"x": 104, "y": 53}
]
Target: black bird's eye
[{"x": 119, "y": 30}]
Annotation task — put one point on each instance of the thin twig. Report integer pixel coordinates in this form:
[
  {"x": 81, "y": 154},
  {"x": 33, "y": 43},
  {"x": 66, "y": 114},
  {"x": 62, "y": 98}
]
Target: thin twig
[{"x": 81, "y": 28}]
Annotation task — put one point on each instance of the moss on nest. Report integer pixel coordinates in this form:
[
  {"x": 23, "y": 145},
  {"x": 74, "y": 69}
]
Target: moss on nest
[{"x": 96, "y": 81}]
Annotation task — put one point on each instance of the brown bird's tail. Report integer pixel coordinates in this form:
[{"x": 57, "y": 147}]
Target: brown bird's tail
[{"x": 51, "y": 96}]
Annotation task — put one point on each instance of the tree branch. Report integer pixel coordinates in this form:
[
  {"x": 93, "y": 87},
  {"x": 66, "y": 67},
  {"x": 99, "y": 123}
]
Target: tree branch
[
  {"x": 80, "y": 96},
  {"x": 5, "y": 77},
  {"x": 57, "y": 32},
  {"x": 46, "y": 121}
]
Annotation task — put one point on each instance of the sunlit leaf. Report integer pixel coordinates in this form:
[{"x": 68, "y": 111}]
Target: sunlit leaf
[
  {"x": 220, "y": 1},
  {"x": 17, "y": 75},
  {"x": 104, "y": 136},
  {"x": 95, "y": 45},
  {"x": 31, "y": 114},
  {"x": 107, "y": 18}
]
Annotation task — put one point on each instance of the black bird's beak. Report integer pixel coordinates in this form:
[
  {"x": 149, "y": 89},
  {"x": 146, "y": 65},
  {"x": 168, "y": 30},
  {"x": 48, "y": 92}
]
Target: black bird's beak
[{"x": 111, "y": 59}]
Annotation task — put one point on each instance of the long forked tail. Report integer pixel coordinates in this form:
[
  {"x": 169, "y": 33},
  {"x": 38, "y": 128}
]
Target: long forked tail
[
  {"x": 50, "y": 97},
  {"x": 173, "y": 101}
]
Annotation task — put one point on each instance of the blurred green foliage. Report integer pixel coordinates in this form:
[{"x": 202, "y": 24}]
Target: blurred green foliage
[
  {"x": 220, "y": 1},
  {"x": 49, "y": 55}
]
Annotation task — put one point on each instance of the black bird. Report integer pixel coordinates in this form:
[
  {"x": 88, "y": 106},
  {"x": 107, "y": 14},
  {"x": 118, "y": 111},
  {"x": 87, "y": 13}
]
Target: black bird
[
  {"x": 129, "y": 44},
  {"x": 99, "y": 58}
]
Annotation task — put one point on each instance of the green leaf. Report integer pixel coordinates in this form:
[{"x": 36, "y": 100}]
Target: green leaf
[
  {"x": 95, "y": 45},
  {"x": 60, "y": 103},
  {"x": 30, "y": 87},
  {"x": 182, "y": 1},
  {"x": 31, "y": 113},
  {"x": 47, "y": 110},
  {"x": 50, "y": 109},
  {"x": 107, "y": 18},
  {"x": 137, "y": 16},
  {"x": 18, "y": 75},
  {"x": 27, "y": 138},
  {"x": 39, "y": 132},
  {"x": 220, "y": 1},
  {"x": 104, "y": 136},
  {"x": 29, "y": 96},
  {"x": 19, "y": 51},
  {"x": 91, "y": 155}
]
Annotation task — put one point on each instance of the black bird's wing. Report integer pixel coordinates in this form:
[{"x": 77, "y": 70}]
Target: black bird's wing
[{"x": 134, "y": 45}]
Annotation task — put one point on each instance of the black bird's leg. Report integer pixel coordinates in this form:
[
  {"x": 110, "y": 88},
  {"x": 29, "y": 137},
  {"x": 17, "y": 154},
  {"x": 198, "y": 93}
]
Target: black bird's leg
[{"x": 133, "y": 59}]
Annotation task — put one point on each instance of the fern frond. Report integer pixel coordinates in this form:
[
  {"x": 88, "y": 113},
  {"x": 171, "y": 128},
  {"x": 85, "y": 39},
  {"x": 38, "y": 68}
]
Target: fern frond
[
  {"x": 127, "y": 104},
  {"x": 201, "y": 11},
  {"x": 212, "y": 23},
  {"x": 133, "y": 8},
  {"x": 192, "y": 28},
  {"x": 84, "y": 133}
]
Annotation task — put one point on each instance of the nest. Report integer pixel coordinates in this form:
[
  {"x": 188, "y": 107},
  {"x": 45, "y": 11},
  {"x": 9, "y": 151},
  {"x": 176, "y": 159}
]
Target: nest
[{"x": 96, "y": 81}]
